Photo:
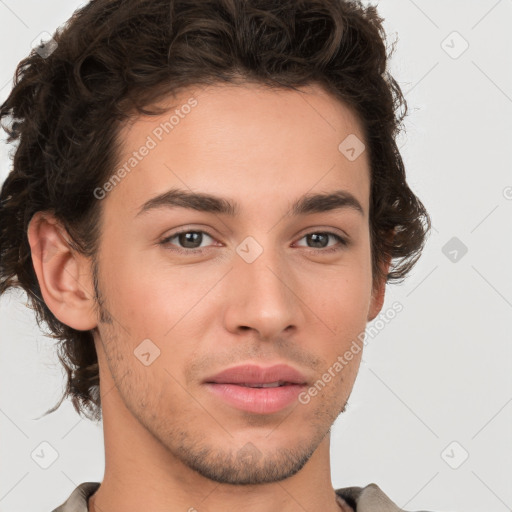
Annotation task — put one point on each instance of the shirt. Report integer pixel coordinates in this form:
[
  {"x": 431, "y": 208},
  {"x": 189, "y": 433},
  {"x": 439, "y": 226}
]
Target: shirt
[{"x": 362, "y": 499}]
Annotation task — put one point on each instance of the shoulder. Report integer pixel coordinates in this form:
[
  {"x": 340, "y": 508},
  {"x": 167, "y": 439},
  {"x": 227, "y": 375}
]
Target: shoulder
[
  {"x": 368, "y": 499},
  {"x": 77, "y": 501}
]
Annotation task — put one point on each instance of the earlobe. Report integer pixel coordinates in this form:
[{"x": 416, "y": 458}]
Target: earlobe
[{"x": 63, "y": 275}]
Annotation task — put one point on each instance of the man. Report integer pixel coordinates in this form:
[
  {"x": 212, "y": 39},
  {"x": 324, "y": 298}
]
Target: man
[{"x": 206, "y": 204}]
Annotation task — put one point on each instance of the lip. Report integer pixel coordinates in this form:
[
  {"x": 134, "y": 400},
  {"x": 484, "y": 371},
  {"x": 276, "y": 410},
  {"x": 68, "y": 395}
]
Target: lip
[
  {"x": 228, "y": 385},
  {"x": 254, "y": 374}
]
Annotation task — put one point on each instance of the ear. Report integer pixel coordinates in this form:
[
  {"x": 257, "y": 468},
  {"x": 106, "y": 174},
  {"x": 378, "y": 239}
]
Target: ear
[
  {"x": 378, "y": 292},
  {"x": 64, "y": 276}
]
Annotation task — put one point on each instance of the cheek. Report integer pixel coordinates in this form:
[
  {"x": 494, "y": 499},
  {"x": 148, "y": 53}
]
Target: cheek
[
  {"x": 156, "y": 297},
  {"x": 343, "y": 306},
  {"x": 138, "y": 292},
  {"x": 344, "y": 299},
  {"x": 157, "y": 302}
]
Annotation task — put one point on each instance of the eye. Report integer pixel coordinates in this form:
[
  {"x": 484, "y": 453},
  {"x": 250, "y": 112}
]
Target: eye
[
  {"x": 321, "y": 238},
  {"x": 190, "y": 240}
]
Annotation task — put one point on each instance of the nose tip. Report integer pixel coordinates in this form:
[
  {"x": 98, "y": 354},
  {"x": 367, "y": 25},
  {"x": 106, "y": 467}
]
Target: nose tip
[{"x": 261, "y": 298}]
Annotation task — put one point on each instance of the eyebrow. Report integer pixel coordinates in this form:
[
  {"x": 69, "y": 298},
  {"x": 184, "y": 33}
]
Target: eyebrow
[{"x": 304, "y": 205}]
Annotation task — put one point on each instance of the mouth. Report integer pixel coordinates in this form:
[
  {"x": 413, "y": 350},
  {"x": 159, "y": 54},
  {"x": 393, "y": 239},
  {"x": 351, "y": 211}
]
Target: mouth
[
  {"x": 264, "y": 384},
  {"x": 256, "y": 389}
]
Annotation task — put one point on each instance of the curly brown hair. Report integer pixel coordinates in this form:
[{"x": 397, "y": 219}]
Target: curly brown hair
[{"x": 117, "y": 58}]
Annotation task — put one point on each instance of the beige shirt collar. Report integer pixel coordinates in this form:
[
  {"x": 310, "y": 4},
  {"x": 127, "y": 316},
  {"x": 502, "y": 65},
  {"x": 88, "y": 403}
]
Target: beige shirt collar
[{"x": 362, "y": 499}]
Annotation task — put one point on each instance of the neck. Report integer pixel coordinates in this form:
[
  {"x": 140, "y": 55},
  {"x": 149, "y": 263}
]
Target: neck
[{"x": 141, "y": 474}]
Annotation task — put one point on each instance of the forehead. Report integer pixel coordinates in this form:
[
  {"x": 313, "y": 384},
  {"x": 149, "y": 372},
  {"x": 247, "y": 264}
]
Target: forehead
[{"x": 243, "y": 140}]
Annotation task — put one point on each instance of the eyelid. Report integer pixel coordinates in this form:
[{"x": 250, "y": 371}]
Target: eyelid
[
  {"x": 324, "y": 232},
  {"x": 327, "y": 229}
]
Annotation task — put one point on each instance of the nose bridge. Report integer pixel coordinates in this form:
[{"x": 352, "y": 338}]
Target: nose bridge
[{"x": 262, "y": 293}]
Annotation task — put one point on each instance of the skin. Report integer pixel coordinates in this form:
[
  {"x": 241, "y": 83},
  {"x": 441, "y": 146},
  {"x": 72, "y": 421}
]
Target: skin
[{"x": 170, "y": 444}]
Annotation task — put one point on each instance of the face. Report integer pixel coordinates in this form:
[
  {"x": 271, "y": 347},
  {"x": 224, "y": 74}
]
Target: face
[{"x": 194, "y": 287}]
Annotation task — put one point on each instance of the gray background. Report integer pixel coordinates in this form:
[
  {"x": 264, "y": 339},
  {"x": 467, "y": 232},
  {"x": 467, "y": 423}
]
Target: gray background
[{"x": 430, "y": 416}]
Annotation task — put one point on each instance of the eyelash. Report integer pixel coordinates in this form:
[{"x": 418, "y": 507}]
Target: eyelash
[{"x": 166, "y": 242}]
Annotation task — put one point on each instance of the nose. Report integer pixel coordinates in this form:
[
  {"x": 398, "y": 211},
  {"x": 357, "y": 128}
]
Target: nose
[{"x": 263, "y": 296}]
